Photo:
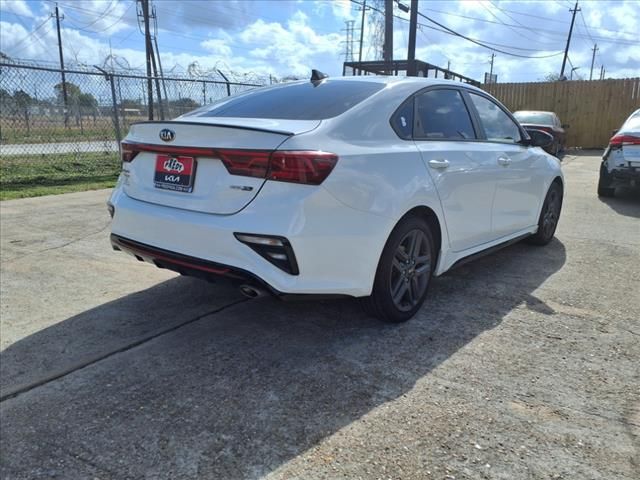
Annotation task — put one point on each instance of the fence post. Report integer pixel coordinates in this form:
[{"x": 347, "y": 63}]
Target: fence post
[
  {"x": 228, "y": 84},
  {"x": 116, "y": 120},
  {"x": 114, "y": 103}
]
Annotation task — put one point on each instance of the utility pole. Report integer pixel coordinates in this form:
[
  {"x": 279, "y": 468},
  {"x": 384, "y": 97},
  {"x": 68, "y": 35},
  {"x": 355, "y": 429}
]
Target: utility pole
[
  {"x": 493, "y": 55},
  {"x": 593, "y": 59},
  {"x": 387, "y": 50},
  {"x": 155, "y": 43},
  {"x": 413, "y": 25},
  {"x": 147, "y": 44},
  {"x": 348, "y": 52},
  {"x": 364, "y": 9},
  {"x": 566, "y": 49},
  {"x": 64, "y": 81},
  {"x": 157, "y": 81}
]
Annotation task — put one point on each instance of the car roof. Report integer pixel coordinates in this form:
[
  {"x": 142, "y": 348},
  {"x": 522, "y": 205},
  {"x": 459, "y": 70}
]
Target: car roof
[
  {"x": 534, "y": 111},
  {"x": 419, "y": 82}
]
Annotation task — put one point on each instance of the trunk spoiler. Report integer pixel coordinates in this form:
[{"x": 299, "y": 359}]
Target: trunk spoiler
[{"x": 222, "y": 125}]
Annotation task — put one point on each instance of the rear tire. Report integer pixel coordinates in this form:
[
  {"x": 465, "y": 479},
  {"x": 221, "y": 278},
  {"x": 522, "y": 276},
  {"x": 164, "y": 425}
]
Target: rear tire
[
  {"x": 404, "y": 272},
  {"x": 549, "y": 216},
  {"x": 604, "y": 190}
]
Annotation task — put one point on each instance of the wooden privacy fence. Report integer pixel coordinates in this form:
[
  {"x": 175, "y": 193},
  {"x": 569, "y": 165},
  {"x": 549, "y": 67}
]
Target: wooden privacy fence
[{"x": 592, "y": 109}]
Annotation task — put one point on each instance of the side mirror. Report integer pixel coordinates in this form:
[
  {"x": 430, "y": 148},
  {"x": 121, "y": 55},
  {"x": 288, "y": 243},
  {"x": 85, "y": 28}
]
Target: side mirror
[
  {"x": 539, "y": 138},
  {"x": 564, "y": 126}
]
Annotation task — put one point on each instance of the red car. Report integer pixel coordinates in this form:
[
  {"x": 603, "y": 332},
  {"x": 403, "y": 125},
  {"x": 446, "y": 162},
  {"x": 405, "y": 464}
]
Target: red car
[{"x": 547, "y": 122}]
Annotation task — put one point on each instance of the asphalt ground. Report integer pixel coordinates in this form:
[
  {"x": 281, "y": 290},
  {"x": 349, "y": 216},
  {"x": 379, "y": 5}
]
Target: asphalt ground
[{"x": 521, "y": 365}]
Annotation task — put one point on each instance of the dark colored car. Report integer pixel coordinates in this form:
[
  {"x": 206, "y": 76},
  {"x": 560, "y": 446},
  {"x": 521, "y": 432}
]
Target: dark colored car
[{"x": 547, "y": 122}]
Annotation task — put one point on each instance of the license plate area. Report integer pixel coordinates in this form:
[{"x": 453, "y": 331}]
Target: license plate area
[{"x": 175, "y": 172}]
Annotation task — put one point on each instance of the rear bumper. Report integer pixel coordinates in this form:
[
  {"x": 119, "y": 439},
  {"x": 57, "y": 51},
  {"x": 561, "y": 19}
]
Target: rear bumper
[
  {"x": 620, "y": 170},
  {"x": 337, "y": 247},
  {"x": 179, "y": 263}
]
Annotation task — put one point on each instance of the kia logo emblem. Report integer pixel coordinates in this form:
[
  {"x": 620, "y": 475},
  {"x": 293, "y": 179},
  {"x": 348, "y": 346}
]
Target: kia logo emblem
[{"x": 167, "y": 135}]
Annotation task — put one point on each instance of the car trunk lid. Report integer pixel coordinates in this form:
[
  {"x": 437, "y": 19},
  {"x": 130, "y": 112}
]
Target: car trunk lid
[{"x": 185, "y": 163}]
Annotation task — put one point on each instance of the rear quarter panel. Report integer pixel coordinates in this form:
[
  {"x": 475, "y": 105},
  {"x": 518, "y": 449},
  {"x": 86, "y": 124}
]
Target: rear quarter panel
[{"x": 377, "y": 172}]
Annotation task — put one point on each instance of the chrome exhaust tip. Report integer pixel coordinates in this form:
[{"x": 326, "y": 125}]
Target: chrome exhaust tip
[{"x": 250, "y": 291}]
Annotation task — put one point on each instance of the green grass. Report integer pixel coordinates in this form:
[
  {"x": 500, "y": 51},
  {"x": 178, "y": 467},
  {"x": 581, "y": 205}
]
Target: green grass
[
  {"x": 34, "y": 175},
  {"x": 14, "y": 130}
]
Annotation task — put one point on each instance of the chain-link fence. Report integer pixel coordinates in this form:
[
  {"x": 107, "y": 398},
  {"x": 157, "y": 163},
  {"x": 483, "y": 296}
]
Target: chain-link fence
[{"x": 59, "y": 128}]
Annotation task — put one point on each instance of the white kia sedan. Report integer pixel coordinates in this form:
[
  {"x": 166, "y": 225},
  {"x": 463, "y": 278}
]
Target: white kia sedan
[{"x": 362, "y": 186}]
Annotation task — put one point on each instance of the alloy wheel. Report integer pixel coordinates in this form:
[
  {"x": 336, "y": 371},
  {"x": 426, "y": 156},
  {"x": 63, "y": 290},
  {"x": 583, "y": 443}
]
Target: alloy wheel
[
  {"x": 551, "y": 213},
  {"x": 410, "y": 270}
]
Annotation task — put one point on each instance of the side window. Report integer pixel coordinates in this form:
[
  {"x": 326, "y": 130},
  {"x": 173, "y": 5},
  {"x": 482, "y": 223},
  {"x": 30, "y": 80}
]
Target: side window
[
  {"x": 498, "y": 126},
  {"x": 442, "y": 115},
  {"x": 402, "y": 121}
]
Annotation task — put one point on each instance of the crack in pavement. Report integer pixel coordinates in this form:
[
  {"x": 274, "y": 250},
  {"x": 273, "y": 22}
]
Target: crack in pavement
[
  {"x": 98, "y": 358},
  {"x": 70, "y": 242}
]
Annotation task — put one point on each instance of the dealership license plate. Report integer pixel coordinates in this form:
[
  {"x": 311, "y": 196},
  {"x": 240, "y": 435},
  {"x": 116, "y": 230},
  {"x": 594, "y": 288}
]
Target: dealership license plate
[{"x": 175, "y": 173}]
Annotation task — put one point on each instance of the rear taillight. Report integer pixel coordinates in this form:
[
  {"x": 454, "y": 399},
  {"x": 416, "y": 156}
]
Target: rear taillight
[
  {"x": 306, "y": 166},
  {"x": 129, "y": 151},
  {"x": 619, "y": 141},
  {"x": 248, "y": 163},
  {"x": 310, "y": 167}
]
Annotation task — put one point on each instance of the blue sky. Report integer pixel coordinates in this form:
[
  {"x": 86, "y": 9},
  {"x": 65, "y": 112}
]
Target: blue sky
[{"x": 289, "y": 37}]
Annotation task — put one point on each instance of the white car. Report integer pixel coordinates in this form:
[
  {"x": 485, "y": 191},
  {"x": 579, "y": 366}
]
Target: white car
[
  {"x": 621, "y": 159},
  {"x": 361, "y": 186}
]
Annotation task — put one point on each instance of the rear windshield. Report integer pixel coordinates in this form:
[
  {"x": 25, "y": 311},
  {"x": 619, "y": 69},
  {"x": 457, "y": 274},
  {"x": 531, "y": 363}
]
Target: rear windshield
[
  {"x": 297, "y": 101},
  {"x": 534, "y": 117}
]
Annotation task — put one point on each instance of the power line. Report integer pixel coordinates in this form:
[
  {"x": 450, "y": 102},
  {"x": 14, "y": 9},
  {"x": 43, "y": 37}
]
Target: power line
[
  {"x": 29, "y": 35},
  {"x": 430, "y": 27},
  {"x": 512, "y": 28},
  {"x": 453, "y": 32},
  {"x": 538, "y": 30}
]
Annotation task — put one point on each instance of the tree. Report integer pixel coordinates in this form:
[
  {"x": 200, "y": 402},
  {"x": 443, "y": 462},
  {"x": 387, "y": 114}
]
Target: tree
[
  {"x": 130, "y": 103},
  {"x": 23, "y": 101},
  {"x": 88, "y": 101},
  {"x": 73, "y": 92},
  {"x": 554, "y": 77},
  {"x": 182, "y": 105},
  {"x": 76, "y": 100}
]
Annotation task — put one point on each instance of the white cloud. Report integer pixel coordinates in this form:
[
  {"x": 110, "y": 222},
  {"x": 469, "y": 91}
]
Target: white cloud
[
  {"x": 341, "y": 9},
  {"x": 217, "y": 46},
  {"x": 19, "y": 7},
  {"x": 293, "y": 47},
  {"x": 292, "y": 38}
]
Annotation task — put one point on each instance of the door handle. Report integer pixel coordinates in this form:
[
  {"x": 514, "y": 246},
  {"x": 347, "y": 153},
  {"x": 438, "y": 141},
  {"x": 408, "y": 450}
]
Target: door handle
[
  {"x": 504, "y": 161},
  {"x": 440, "y": 163}
]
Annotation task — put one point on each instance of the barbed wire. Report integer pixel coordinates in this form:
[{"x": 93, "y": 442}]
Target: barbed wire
[{"x": 113, "y": 63}]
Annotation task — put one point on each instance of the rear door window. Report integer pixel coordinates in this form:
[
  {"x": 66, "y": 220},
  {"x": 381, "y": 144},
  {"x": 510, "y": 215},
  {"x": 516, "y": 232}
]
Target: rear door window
[
  {"x": 296, "y": 101},
  {"x": 498, "y": 126},
  {"x": 442, "y": 115}
]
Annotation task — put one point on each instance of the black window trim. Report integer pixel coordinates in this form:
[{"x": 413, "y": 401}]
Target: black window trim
[{"x": 475, "y": 124}]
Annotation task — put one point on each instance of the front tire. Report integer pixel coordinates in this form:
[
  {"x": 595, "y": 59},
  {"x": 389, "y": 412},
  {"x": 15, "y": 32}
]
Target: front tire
[
  {"x": 549, "y": 216},
  {"x": 404, "y": 272}
]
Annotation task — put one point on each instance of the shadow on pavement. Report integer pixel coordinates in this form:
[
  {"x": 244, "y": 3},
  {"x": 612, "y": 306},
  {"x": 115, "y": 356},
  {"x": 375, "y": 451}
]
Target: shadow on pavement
[
  {"x": 238, "y": 393},
  {"x": 626, "y": 202}
]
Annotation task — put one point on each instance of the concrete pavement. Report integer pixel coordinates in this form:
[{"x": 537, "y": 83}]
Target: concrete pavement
[{"x": 522, "y": 365}]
